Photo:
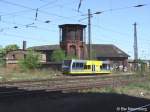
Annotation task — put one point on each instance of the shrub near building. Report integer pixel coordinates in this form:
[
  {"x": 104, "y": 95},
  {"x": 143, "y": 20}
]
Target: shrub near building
[
  {"x": 2, "y": 56},
  {"x": 31, "y": 61},
  {"x": 4, "y": 51},
  {"x": 58, "y": 55}
]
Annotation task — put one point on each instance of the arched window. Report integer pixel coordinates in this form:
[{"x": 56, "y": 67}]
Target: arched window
[
  {"x": 81, "y": 52},
  {"x": 73, "y": 50},
  {"x": 13, "y": 56}
]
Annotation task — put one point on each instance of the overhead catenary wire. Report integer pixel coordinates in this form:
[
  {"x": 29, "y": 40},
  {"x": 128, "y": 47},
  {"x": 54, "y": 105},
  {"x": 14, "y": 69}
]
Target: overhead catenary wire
[
  {"x": 103, "y": 28},
  {"x": 27, "y": 26},
  {"x": 22, "y": 37},
  {"x": 54, "y": 13},
  {"x": 16, "y": 12},
  {"x": 120, "y": 33},
  {"x": 29, "y": 18},
  {"x": 118, "y": 9},
  {"x": 26, "y": 7},
  {"x": 47, "y": 4}
]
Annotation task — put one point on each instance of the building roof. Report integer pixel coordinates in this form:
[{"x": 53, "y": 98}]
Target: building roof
[
  {"x": 45, "y": 47},
  {"x": 72, "y": 25},
  {"x": 102, "y": 50},
  {"x": 108, "y": 50},
  {"x": 17, "y": 51}
]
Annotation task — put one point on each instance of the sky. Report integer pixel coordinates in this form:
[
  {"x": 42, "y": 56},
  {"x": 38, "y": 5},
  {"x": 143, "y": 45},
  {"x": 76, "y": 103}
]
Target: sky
[{"x": 20, "y": 20}]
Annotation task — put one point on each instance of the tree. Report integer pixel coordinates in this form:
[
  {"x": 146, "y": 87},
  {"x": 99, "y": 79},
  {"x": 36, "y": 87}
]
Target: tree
[
  {"x": 11, "y": 47},
  {"x": 71, "y": 57},
  {"x": 31, "y": 60},
  {"x": 93, "y": 54},
  {"x": 3, "y": 52},
  {"x": 58, "y": 55},
  {"x": 2, "y": 56},
  {"x": 142, "y": 67}
]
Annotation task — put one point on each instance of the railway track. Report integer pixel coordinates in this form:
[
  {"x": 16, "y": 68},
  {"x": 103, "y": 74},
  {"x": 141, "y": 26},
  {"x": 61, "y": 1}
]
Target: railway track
[
  {"x": 64, "y": 78},
  {"x": 66, "y": 84}
]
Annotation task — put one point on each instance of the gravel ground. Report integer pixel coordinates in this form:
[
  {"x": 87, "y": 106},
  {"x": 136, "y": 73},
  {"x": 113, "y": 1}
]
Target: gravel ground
[{"x": 70, "y": 102}]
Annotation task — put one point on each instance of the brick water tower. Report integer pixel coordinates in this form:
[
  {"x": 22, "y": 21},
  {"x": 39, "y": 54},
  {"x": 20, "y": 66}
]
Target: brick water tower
[{"x": 72, "y": 40}]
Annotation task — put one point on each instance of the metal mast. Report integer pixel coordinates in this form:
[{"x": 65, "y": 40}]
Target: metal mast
[
  {"x": 89, "y": 34},
  {"x": 135, "y": 47}
]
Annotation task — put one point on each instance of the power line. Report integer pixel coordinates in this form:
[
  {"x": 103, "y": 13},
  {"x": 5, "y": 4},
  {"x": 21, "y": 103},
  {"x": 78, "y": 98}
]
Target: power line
[
  {"x": 111, "y": 30},
  {"x": 15, "y": 4},
  {"x": 44, "y": 12},
  {"x": 103, "y": 28},
  {"x": 63, "y": 16},
  {"x": 23, "y": 37},
  {"x": 11, "y": 14},
  {"x": 14, "y": 13},
  {"x": 47, "y": 4},
  {"x": 118, "y": 32},
  {"x": 124, "y": 8},
  {"x": 120, "y": 8},
  {"x": 25, "y": 26}
]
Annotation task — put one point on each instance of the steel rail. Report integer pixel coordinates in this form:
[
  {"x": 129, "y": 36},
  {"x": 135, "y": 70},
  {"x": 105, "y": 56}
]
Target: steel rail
[
  {"x": 65, "y": 78},
  {"x": 72, "y": 86}
]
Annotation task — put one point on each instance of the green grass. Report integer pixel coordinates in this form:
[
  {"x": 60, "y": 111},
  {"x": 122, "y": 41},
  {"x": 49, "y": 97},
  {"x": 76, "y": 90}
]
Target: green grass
[
  {"x": 138, "y": 89},
  {"x": 14, "y": 75}
]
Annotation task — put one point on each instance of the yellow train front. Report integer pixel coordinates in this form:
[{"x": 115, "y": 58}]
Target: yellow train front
[{"x": 85, "y": 67}]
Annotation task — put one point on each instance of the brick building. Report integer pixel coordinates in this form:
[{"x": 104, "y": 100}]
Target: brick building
[
  {"x": 105, "y": 52},
  {"x": 13, "y": 57},
  {"x": 73, "y": 42},
  {"x": 72, "y": 39}
]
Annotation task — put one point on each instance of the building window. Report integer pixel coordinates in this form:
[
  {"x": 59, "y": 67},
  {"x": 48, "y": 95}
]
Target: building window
[
  {"x": 13, "y": 57},
  {"x": 72, "y": 50}
]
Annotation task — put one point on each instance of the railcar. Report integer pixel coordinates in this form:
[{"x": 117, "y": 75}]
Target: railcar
[{"x": 85, "y": 67}]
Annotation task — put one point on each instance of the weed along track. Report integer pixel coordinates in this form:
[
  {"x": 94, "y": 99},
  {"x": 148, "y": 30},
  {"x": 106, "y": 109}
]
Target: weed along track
[{"x": 67, "y": 84}]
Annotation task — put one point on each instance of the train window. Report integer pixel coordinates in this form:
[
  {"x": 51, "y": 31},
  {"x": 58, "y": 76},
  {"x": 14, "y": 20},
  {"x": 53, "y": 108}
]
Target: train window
[
  {"x": 81, "y": 65},
  {"x": 101, "y": 67},
  {"x": 74, "y": 65},
  {"x": 87, "y": 67},
  {"x": 105, "y": 67},
  {"x": 67, "y": 62},
  {"x": 77, "y": 65}
]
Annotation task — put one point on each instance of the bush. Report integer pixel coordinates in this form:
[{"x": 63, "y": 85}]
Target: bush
[
  {"x": 11, "y": 47},
  {"x": 2, "y": 62},
  {"x": 58, "y": 55},
  {"x": 71, "y": 57},
  {"x": 2, "y": 56},
  {"x": 31, "y": 61}
]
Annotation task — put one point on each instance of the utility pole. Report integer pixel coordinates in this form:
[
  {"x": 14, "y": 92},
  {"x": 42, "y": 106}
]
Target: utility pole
[
  {"x": 89, "y": 34},
  {"x": 135, "y": 47},
  {"x": 89, "y": 31}
]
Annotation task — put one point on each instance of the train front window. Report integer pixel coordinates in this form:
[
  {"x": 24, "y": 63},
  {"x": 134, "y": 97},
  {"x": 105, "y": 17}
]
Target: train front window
[
  {"x": 67, "y": 63},
  {"x": 77, "y": 65},
  {"x": 105, "y": 67},
  {"x": 74, "y": 65},
  {"x": 81, "y": 65}
]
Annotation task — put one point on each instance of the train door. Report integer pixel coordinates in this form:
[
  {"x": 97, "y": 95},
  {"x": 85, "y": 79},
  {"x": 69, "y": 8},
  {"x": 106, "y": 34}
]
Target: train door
[{"x": 93, "y": 68}]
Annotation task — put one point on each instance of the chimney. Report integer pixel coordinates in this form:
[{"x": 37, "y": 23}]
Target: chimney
[{"x": 24, "y": 45}]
